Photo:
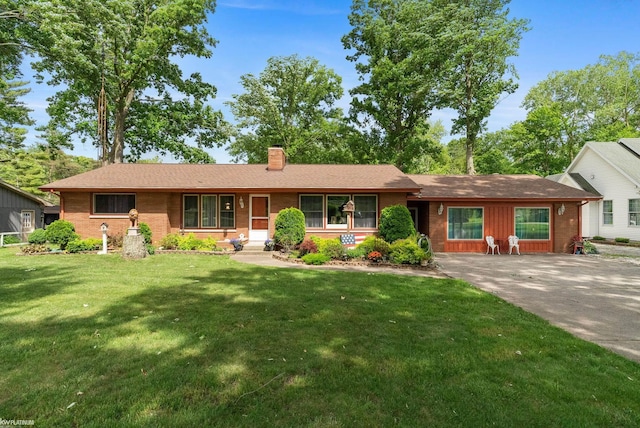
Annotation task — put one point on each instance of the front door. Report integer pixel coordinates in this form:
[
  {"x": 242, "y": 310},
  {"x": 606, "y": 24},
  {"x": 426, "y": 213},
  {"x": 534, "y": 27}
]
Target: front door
[{"x": 259, "y": 221}]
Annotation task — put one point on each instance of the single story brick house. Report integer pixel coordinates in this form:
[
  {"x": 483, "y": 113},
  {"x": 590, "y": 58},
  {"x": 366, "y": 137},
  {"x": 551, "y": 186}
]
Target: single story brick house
[{"x": 224, "y": 201}]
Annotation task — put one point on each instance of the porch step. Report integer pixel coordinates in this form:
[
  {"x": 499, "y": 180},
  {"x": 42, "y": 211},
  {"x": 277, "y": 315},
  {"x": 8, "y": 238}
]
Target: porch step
[{"x": 254, "y": 249}]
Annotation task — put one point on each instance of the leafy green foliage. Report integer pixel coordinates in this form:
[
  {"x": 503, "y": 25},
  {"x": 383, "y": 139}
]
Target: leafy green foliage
[
  {"x": 622, "y": 240},
  {"x": 132, "y": 44},
  {"x": 79, "y": 245},
  {"x": 392, "y": 46},
  {"x": 170, "y": 241},
  {"x": 38, "y": 236},
  {"x": 406, "y": 251},
  {"x": 354, "y": 253},
  {"x": 598, "y": 238},
  {"x": 396, "y": 223},
  {"x": 145, "y": 230},
  {"x": 373, "y": 243},
  {"x": 11, "y": 239},
  {"x": 189, "y": 242},
  {"x": 290, "y": 104},
  {"x": 61, "y": 232},
  {"x": 332, "y": 248},
  {"x": 315, "y": 258},
  {"x": 289, "y": 228}
]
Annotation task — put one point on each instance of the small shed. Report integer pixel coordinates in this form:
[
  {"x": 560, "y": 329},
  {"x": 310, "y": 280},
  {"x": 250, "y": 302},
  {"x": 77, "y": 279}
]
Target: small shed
[{"x": 21, "y": 212}]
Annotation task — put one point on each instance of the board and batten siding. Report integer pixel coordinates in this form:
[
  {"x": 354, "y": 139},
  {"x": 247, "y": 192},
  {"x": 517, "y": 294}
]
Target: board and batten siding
[
  {"x": 11, "y": 206},
  {"x": 613, "y": 186}
]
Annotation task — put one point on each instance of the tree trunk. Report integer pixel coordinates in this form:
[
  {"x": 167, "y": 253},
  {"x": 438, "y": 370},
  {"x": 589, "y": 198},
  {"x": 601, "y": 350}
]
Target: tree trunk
[
  {"x": 116, "y": 154},
  {"x": 470, "y": 143}
]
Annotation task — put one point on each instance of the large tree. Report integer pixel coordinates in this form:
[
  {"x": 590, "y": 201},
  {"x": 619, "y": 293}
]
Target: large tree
[
  {"x": 119, "y": 56},
  {"x": 598, "y": 102},
  {"x": 478, "y": 41},
  {"x": 392, "y": 46},
  {"x": 14, "y": 115},
  {"x": 291, "y": 104}
]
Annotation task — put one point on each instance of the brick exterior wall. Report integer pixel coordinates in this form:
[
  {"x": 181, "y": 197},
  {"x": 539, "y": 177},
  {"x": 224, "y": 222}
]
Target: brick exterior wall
[{"x": 565, "y": 226}]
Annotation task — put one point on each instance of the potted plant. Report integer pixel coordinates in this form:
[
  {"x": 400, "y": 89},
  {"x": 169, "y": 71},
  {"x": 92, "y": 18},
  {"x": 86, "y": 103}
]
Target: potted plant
[
  {"x": 237, "y": 244},
  {"x": 269, "y": 245}
]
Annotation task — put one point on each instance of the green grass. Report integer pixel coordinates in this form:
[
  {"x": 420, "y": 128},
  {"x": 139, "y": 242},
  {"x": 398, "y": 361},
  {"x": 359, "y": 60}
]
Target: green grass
[{"x": 180, "y": 340}]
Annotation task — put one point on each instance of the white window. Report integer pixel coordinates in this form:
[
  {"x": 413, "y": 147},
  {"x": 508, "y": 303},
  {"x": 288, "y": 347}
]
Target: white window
[
  {"x": 27, "y": 220},
  {"x": 634, "y": 212},
  {"x": 607, "y": 212}
]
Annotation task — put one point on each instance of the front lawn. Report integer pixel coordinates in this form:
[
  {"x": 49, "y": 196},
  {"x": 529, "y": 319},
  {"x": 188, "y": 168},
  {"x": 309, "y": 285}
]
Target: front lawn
[{"x": 193, "y": 340}]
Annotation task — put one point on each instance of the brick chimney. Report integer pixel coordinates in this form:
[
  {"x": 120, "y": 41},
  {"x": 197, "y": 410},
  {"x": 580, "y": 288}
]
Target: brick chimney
[{"x": 277, "y": 159}]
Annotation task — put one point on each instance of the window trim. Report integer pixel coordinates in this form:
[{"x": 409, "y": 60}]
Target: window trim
[
  {"x": 548, "y": 238},
  {"x": 604, "y": 213},
  {"x": 219, "y": 210},
  {"x": 106, "y": 214},
  {"x": 481, "y": 208},
  {"x": 637, "y": 213},
  {"x": 323, "y": 204}
]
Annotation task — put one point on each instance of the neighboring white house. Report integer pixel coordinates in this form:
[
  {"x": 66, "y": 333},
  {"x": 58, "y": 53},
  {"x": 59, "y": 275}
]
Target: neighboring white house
[{"x": 612, "y": 170}]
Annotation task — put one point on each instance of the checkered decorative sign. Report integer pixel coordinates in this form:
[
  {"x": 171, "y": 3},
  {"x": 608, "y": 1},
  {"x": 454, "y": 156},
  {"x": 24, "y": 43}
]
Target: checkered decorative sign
[{"x": 348, "y": 239}]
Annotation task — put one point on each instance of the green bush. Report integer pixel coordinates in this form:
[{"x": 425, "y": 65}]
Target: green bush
[
  {"x": 210, "y": 244},
  {"x": 189, "y": 242},
  {"x": 622, "y": 240},
  {"x": 61, "y": 232},
  {"x": 332, "y": 248},
  {"x": 406, "y": 251},
  {"x": 145, "y": 230},
  {"x": 170, "y": 241},
  {"x": 78, "y": 245},
  {"x": 315, "y": 258},
  {"x": 151, "y": 250},
  {"x": 396, "y": 223},
  {"x": 11, "y": 239},
  {"x": 598, "y": 238},
  {"x": 589, "y": 248},
  {"x": 373, "y": 243},
  {"x": 38, "y": 236},
  {"x": 355, "y": 253},
  {"x": 289, "y": 228}
]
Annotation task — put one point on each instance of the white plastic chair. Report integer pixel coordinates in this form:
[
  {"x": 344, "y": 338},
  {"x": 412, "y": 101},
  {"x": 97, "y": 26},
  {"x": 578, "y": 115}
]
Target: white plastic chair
[
  {"x": 491, "y": 245},
  {"x": 513, "y": 243}
]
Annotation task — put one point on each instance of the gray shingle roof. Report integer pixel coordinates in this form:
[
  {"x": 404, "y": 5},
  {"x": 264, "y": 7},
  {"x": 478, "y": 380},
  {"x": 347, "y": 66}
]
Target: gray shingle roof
[
  {"x": 496, "y": 187},
  {"x": 188, "y": 177}
]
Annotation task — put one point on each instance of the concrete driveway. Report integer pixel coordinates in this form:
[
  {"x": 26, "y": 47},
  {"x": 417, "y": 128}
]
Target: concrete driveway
[{"x": 596, "y": 298}]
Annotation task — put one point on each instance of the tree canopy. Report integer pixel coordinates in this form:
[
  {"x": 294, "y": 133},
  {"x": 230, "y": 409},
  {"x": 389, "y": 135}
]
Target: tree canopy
[
  {"x": 127, "y": 48},
  {"x": 290, "y": 104}
]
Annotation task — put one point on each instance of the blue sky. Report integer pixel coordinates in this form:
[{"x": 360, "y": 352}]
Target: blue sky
[{"x": 564, "y": 35}]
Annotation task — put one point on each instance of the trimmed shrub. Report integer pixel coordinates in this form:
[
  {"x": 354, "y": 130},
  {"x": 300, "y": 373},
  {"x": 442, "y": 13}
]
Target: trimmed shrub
[
  {"x": 145, "y": 230},
  {"x": 315, "y": 258},
  {"x": 598, "y": 238},
  {"x": 61, "y": 232},
  {"x": 151, "y": 250},
  {"x": 307, "y": 246},
  {"x": 373, "y": 243},
  {"x": 78, "y": 245},
  {"x": 210, "y": 244},
  {"x": 332, "y": 248},
  {"x": 11, "y": 239},
  {"x": 622, "y": 240},
  {"x": 38, "y": 236},
  {"x": 396, "y": 223},
  {"x": 289, "y": 228},
  {"x": 170, "y": 241},
  {"x": 406, "y": 251}
]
